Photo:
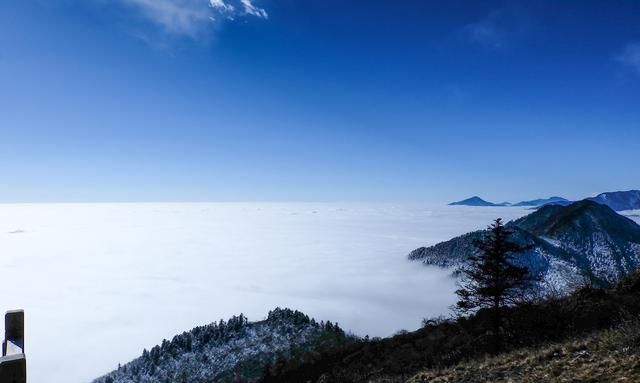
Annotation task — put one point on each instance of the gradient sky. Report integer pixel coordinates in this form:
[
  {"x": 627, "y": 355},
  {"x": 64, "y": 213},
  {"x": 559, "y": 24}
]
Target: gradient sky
[{"x": 288, "y": 100}]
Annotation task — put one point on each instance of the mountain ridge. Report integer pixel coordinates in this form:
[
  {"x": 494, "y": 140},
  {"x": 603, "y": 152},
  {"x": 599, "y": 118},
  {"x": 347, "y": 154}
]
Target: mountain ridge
[
  {"x": 570, "y": 244},
  {"x": 544, "y": 201},
  {"x": 477, "y": 201},
  {"x": 619, "y": 200},
  {"x": 232, "y": 351}
]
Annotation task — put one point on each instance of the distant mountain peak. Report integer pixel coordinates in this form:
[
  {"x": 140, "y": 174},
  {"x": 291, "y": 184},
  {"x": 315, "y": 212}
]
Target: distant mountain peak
[
  {"x": 578, "y": 216},
  {"x": 619, "y": 200},
  {"x": 473, "y": 201},
  {"x": 544, "y": 201},
  {"x": 477, "y": 201}
]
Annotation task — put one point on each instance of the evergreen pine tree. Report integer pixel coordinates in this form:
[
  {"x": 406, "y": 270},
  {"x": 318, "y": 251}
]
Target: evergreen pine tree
[{"x": 492, "y": 280}]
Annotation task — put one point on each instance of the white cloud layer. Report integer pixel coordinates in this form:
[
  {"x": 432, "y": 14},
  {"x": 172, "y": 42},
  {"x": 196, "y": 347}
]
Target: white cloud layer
[
  {"x": 630, "y": 56},
  {"x": 125, "y": 276},
  {"x": 189, "y": 17}
]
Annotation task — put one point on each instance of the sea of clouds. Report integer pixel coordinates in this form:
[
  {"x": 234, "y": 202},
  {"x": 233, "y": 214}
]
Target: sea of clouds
[{"x": 100, "y": 282}]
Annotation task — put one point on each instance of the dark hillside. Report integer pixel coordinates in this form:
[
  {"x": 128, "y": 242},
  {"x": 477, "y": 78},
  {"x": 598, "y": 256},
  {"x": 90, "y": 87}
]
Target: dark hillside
[{"x": 442, "y": 343}]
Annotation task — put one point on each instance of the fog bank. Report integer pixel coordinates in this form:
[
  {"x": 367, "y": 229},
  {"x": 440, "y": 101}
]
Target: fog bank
[{"x": 100, "y": 282}]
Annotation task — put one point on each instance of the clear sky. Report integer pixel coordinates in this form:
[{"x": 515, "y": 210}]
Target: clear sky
[{"x": 288, "y": 100}]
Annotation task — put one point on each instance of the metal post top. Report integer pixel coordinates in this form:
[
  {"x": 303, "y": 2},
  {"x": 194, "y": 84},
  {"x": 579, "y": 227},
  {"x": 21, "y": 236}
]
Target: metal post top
[{"x": 13, "y": 333}]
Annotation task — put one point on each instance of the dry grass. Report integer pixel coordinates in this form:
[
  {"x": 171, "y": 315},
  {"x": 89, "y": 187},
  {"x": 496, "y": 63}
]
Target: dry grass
[{"x": 606, "y": 356}]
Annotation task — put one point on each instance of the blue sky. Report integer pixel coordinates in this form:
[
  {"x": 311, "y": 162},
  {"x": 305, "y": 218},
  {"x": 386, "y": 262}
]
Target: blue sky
[{"x": 290, "y": 100}]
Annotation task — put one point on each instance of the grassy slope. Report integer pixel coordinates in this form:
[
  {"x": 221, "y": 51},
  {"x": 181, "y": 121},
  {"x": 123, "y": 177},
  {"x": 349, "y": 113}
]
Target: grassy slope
[{"x": 605, "y": 356}]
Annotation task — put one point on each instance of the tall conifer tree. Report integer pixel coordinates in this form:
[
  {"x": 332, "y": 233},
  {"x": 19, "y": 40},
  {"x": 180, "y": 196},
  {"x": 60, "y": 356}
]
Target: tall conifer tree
[{"x": 492, "y": 280}]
